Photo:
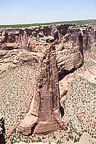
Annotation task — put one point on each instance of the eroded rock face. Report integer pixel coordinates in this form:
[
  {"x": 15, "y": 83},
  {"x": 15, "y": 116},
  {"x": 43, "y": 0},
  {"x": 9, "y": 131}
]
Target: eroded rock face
[
  {"x": 44, "y": 111},
  {"x": 70, "y": 51},
  {"x": 88, "y": 34},
  {"x": 70, "y": 42}
]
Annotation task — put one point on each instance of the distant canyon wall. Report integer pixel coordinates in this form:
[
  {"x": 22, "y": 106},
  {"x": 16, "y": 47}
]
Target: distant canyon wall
[{"x": 70, "y": 42}]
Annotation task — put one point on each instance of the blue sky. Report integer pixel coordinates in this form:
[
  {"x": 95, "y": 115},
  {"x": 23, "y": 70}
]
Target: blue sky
[{"x": 36, "y": 11}]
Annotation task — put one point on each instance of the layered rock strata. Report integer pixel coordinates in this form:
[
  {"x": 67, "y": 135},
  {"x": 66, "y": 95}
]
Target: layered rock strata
[{"x": 70, "y": 42}]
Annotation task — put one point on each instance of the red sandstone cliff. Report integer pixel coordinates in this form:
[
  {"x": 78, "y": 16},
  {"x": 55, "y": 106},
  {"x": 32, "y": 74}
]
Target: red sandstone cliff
[{"x": 70, "y": 42}]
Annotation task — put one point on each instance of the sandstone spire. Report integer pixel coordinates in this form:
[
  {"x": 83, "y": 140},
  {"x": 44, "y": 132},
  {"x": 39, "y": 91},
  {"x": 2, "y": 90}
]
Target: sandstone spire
[{"x": 44, "y": 113}]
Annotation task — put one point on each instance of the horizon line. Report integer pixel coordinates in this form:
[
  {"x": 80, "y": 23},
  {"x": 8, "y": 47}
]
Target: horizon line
[{"x": 51, "y": 22}]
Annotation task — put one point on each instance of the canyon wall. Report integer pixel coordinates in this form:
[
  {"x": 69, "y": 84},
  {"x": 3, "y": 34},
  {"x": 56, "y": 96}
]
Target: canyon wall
[{"x": 70, "y": 42}]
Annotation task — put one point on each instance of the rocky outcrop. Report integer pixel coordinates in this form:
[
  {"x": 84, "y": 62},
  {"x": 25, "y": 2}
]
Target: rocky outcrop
[{"x": 44, "y": 111}]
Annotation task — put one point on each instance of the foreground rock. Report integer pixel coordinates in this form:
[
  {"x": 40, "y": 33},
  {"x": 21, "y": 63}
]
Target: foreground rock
[{"x": 2, "y": 130}]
